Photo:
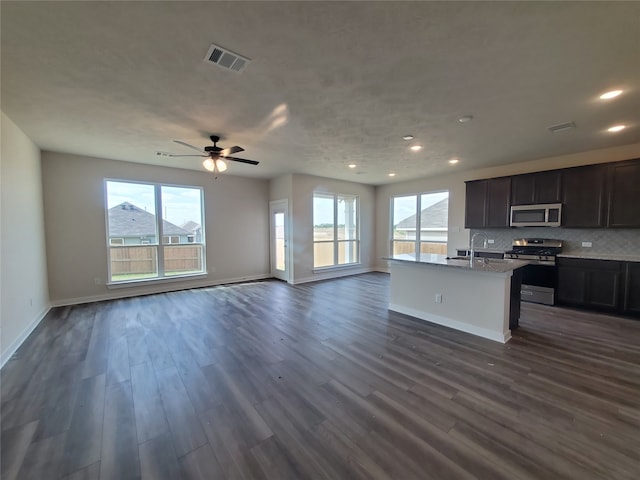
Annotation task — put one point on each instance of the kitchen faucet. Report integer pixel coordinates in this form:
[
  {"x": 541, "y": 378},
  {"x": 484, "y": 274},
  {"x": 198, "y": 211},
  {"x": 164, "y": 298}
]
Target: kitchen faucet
[{"x": 472, "y": 247}]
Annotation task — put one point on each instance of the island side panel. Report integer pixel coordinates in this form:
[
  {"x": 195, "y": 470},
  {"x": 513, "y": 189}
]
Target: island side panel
[{"x": 472, "y": 301}]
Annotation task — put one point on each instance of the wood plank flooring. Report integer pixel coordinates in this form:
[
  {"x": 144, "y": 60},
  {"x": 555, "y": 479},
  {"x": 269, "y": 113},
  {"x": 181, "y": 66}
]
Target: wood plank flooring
[{"x": 318, "y": 381}]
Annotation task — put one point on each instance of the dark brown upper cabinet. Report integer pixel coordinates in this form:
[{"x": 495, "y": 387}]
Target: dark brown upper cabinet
[
  {"x": 487, "y": 203},
  {"x": 583, "y": 196},
  {"x": 497, "y": 207},
  {"x": 624, "y": 195},
  {"x": 592, "y": 196},
  {"x": 532, "y": 188},
  {"x": 475, "y": 202}
]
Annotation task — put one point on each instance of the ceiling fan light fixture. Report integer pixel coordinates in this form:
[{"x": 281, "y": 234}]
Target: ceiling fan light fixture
[
  {"x": 209, "y": 164},
  {"x": 221, "y": 166}
]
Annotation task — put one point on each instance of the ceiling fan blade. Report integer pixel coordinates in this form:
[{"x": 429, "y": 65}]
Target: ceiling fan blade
[
  {"x": 188, "y": 145},
  {"x": 242, "y": 160},
  {"x": 231, "y": 150},
  {"x": 166, "y": 154}
]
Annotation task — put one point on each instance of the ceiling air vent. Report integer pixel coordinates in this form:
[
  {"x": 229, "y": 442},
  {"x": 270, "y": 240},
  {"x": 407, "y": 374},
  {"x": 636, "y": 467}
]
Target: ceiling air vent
[
  {"x": 562, "y": 127},
  {"x": 226, "y": 59}
]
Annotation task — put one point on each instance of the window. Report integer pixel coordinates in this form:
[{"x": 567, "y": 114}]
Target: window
[
  {"x": 420, "y": 223},
  {"x": 168, "y": 239},
  {"x": 335, "y": 230},
  {"x": 138, "y": 214}
]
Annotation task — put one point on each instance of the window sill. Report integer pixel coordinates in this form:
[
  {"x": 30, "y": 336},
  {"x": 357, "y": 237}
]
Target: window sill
[
  {"x": 151, "y": 281},
  {"x": 336, "y": 267}
]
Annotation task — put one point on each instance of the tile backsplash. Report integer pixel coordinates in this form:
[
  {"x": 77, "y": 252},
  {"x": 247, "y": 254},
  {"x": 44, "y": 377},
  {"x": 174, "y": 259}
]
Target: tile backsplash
[{"x": 603, "y": 240}]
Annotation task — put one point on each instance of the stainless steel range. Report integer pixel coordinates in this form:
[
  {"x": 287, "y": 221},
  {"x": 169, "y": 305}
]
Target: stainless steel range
[{"x": 539, "y": 277}]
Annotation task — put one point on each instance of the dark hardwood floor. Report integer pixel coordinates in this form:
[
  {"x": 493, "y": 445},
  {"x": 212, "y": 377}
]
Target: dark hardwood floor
[{"x": 271, "y": 381}]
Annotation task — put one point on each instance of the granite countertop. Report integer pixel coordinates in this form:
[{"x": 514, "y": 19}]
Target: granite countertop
[
  {"x": 601, "y": 256},
  {"x": 482, "y": 265}
]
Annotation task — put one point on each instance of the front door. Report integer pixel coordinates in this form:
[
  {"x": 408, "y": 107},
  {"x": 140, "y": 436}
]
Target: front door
[{"x": 279, "y": 227}]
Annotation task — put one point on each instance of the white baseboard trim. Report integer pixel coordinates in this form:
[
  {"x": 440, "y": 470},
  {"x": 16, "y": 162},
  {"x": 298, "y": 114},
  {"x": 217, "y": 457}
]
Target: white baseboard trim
[
  {"x": 15, "y": 345},
  {"x": 157, "y": 288},
  {"x": 503, "y": 337},
  {"x": 332, "y": 274}
]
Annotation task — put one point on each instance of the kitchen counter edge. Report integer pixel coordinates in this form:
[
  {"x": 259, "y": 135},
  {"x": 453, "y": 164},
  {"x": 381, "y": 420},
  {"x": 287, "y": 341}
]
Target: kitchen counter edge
[
  {"x": 601, "y": 256},
  {"x": 491, "y": 266}
]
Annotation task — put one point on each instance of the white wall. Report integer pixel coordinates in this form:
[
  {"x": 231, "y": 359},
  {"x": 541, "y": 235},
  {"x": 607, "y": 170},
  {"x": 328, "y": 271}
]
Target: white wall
[
  {"x": 301, "y": 212},
  {"x": 23, "y": 274},
  {"x": 236, "y": 224},
  {"x": 280, "y": 188},
  {"x": 454, "y": 183}
]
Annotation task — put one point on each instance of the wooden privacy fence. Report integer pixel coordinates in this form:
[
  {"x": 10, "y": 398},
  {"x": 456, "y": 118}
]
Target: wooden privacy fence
[
  {"x": 136, "y": 259},
  {"x": 179, "y": 258},
  {"x": 425, "y": 247}
]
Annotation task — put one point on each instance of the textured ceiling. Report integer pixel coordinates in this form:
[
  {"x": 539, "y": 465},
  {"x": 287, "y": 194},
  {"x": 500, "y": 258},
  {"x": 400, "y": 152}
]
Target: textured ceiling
[{"x": 329, "y": 83}]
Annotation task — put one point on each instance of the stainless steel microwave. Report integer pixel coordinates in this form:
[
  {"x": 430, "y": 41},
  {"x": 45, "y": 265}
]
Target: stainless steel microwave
[{"x": 545, "y": 215}]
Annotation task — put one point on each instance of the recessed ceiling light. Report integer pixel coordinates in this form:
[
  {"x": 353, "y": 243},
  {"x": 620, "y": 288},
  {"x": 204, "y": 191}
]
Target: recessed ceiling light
[
  {"x": 616, "y": 128},
  {"x": 392, "y": 174},
  {"x": 415, "y": 148},
  {"x": 352, "y": 165},
  {"x": 408, "y": 137},
  {"x": 453, "y": 161},
  {"x": 465, "y": 118},
  {"x": 610, "y": 95}
]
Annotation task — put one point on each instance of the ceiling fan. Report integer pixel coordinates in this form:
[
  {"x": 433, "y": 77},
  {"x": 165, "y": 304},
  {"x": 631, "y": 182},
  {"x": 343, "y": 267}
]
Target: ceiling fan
[{"x": 215, "y": 155}]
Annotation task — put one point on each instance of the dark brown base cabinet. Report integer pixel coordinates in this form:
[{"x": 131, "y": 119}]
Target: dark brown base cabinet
[
  {"x": 631, "y": 302},
  {"x": 603, "y": 285}
]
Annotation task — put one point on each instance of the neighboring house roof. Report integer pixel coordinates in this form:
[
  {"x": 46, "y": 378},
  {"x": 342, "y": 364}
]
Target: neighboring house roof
[
  {"x": 190, "y": 226},
  {"x": 127, "y": 220},
  {"x": 435, "y": 216}
]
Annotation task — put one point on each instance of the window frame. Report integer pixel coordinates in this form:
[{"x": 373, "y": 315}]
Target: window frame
[
  {"x": 418, "y": 212},
  {"x": 336, "y": 241},
  {"x": 161, "y": 276}
]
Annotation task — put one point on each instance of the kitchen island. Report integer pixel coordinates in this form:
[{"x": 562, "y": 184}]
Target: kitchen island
[{"x": 482, "y": 298}]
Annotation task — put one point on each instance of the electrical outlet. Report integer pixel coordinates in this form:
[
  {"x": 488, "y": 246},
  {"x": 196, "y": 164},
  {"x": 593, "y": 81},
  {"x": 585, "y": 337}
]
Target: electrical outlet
[
  {"x": 587, "y": 244},
  {"x": 438, "y": 298},
  {"x": 491, "y": 240},
  {"x": 97, "y": 281}
]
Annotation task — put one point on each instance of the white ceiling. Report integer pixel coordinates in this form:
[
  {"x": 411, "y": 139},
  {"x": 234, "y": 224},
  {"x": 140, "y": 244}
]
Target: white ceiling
[{"x": 329, "y": 83}]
